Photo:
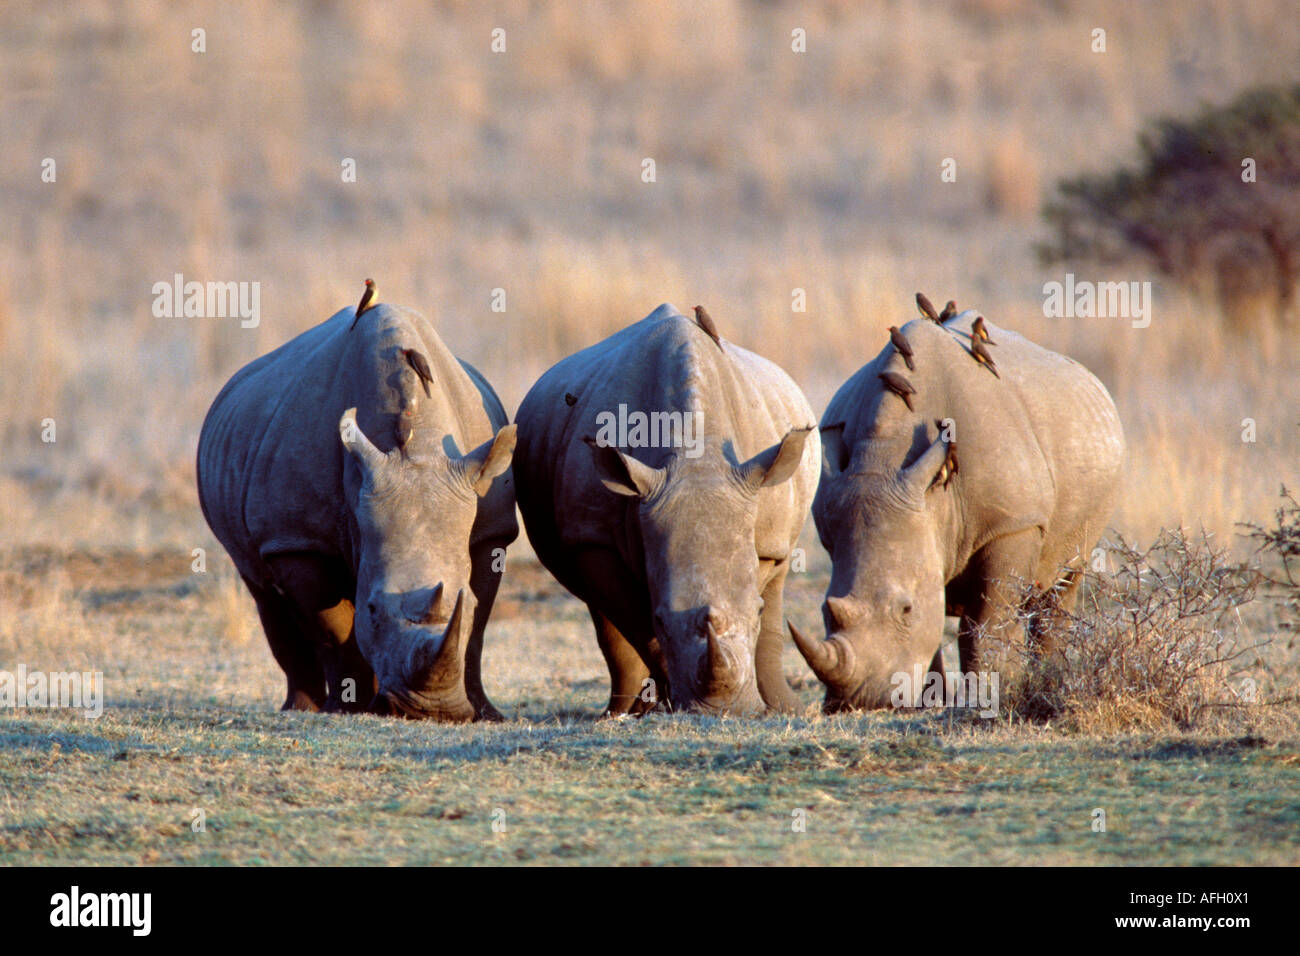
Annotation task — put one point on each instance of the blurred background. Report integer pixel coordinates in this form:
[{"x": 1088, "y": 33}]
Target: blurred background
[{"x": 522, "y": 170}]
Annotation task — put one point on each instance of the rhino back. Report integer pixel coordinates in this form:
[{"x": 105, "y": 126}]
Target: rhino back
[
  {"x": 664, "y": 363},
  {"x": 271, "y": 465},
  {"x": 1042, "y": 445}
]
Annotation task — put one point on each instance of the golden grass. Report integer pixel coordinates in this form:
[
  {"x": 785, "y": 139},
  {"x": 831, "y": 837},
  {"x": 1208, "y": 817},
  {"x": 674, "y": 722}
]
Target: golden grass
[
  {"x": 236, "y": 614},
  {"x": 776, "y": 171}
]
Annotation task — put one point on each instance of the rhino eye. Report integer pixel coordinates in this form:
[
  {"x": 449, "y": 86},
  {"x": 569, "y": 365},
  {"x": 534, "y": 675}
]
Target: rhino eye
[
  {"x": 372, "y": 608},
  {"x": 903, "y": 612}
]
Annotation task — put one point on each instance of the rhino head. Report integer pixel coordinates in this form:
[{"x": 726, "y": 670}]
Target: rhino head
[
  {"x": 696, "y": 517},
  {"x": 884, "y": 609},
  {"x": 414, "y": 606}
]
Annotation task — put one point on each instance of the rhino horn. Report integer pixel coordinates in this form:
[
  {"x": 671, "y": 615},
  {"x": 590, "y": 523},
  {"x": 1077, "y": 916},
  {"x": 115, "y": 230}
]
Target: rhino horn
[
  {"x": 830, "y": 659},
  {"x": 435, "y": 601},
  {"x": 840, "y": 612},
  {"x": 714, "y": 666},
  {"x": 441, "y": 669}
]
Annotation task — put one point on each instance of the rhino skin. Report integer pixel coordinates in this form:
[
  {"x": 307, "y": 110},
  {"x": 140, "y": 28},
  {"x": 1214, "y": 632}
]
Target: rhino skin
[
  {"x": 301, "y": 480},
  {"x": 1040, "y": 453},
  {"x": 681, "y": 560}
]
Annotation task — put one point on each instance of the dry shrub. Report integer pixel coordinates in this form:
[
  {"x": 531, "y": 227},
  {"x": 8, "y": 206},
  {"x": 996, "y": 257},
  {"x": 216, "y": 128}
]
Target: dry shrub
[
  {"x": 1282, "y": 541},
  {"x": 1153, "y": 643}
]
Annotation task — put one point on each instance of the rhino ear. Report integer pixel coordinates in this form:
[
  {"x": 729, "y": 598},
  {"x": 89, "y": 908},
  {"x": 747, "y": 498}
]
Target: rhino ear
[
  {"x": 776, "y": 464},
  {"x": 623, "y": 474},
  {"x": 919, "y": 475},
  {"x": 834, "y": 451},
  {"x": 488, "y": 460},
  {"x": 355, "y": 441}
]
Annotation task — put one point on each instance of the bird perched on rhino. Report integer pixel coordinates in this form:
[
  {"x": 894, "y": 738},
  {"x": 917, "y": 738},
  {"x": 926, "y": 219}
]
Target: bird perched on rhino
[
  {"x": 926, "y": 307},
  {"x": 704, "y": 321},
  {"x": 978, "y": 331},
  {"x": 948, "y": 470},
  {"x": 949, "y": 310},
  {"x": 900, "y": 386},
  {"x": 901, "y": 344},
  {"x": 369, "y": 298},
  {"x": 981, "y": 355},
  {"x": 421, "y": 366}
]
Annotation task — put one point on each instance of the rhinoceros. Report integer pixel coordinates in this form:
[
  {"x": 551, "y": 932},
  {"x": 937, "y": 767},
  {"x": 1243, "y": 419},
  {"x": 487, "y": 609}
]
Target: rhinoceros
[
  {"x": 914, "y": 534},
  {"x": 302, "y": 479},
  {"x": 679, "y": 542}
]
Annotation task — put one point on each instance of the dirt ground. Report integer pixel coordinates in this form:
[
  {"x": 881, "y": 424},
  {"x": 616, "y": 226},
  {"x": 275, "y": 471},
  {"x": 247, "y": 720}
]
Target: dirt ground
[{"x": 192, "y": 762}]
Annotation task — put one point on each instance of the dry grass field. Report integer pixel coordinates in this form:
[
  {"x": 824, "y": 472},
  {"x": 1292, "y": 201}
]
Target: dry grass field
[{"x": 522, "y": 171}]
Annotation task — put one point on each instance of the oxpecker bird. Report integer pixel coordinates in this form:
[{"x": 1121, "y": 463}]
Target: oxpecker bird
[
  {"x": 948, "y": 312},
  {"x": 421, "y": 366},
  {"x": 903, "y": 347},
  {"x": 926, "y": 307},
  {"x": 703, "y": 321},
  {"x": 900, "y": 386},
  {"x": 950, "y": 464},
  {"x": 982, "y": 356},
  {"x": 978, "y": 331},
  {"x": 948, "y": 469},
  {"x": 368, "y": 298}
]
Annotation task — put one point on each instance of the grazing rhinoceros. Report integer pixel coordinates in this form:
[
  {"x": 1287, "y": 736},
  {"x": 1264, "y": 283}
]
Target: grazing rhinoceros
[
  {"x": 680, "y": 541},
  {"x": 917, "y": 528},
  {"x": 335, "y": 481}
]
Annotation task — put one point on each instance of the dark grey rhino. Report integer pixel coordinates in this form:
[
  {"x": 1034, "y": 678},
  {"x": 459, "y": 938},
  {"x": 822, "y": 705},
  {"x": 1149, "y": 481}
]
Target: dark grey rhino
[
  {"x": 367, "y": 510},
  {"x": 680, "y": 547}
]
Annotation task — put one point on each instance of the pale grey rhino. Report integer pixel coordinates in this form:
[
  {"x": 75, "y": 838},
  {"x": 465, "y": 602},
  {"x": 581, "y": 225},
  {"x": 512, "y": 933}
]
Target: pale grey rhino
[
  {"x": 302, "y": 480},
  {"x": 1039, "y": 455},
  {"x": 680, "y": 552}
]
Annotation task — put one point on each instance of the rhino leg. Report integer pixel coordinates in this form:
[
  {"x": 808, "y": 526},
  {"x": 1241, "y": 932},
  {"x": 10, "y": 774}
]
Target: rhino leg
[
  {"x": 620, "y": 611},
  {"x": 629, "y": 693},
  {"x": 342, "y": 661},
  {"x": 772, "y": 684},
  {"x": 1042, "y": 640},
  {"x": 937, "y": 667},
  {"x": 318, "y": 591},
  {"x": 296, "y": 657},
  {"x": 1000, "y": 568},
  {"x": 484, "y": 582}
]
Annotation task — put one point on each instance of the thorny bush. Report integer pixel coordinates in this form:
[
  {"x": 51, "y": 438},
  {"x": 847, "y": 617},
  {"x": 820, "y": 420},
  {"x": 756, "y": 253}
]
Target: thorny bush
[{"x": 1155, "y": 638}]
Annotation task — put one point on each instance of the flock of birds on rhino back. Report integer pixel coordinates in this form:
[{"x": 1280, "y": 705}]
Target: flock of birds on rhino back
[{"x": 365, "y": 483}]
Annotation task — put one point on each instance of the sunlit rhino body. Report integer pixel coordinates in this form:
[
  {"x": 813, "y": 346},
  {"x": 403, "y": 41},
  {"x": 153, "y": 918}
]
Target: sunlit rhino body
[
  {"x": 1040, "y": 452},
  {"x": 680, "y": 553},
  {"x": 301, "y": 480}
]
